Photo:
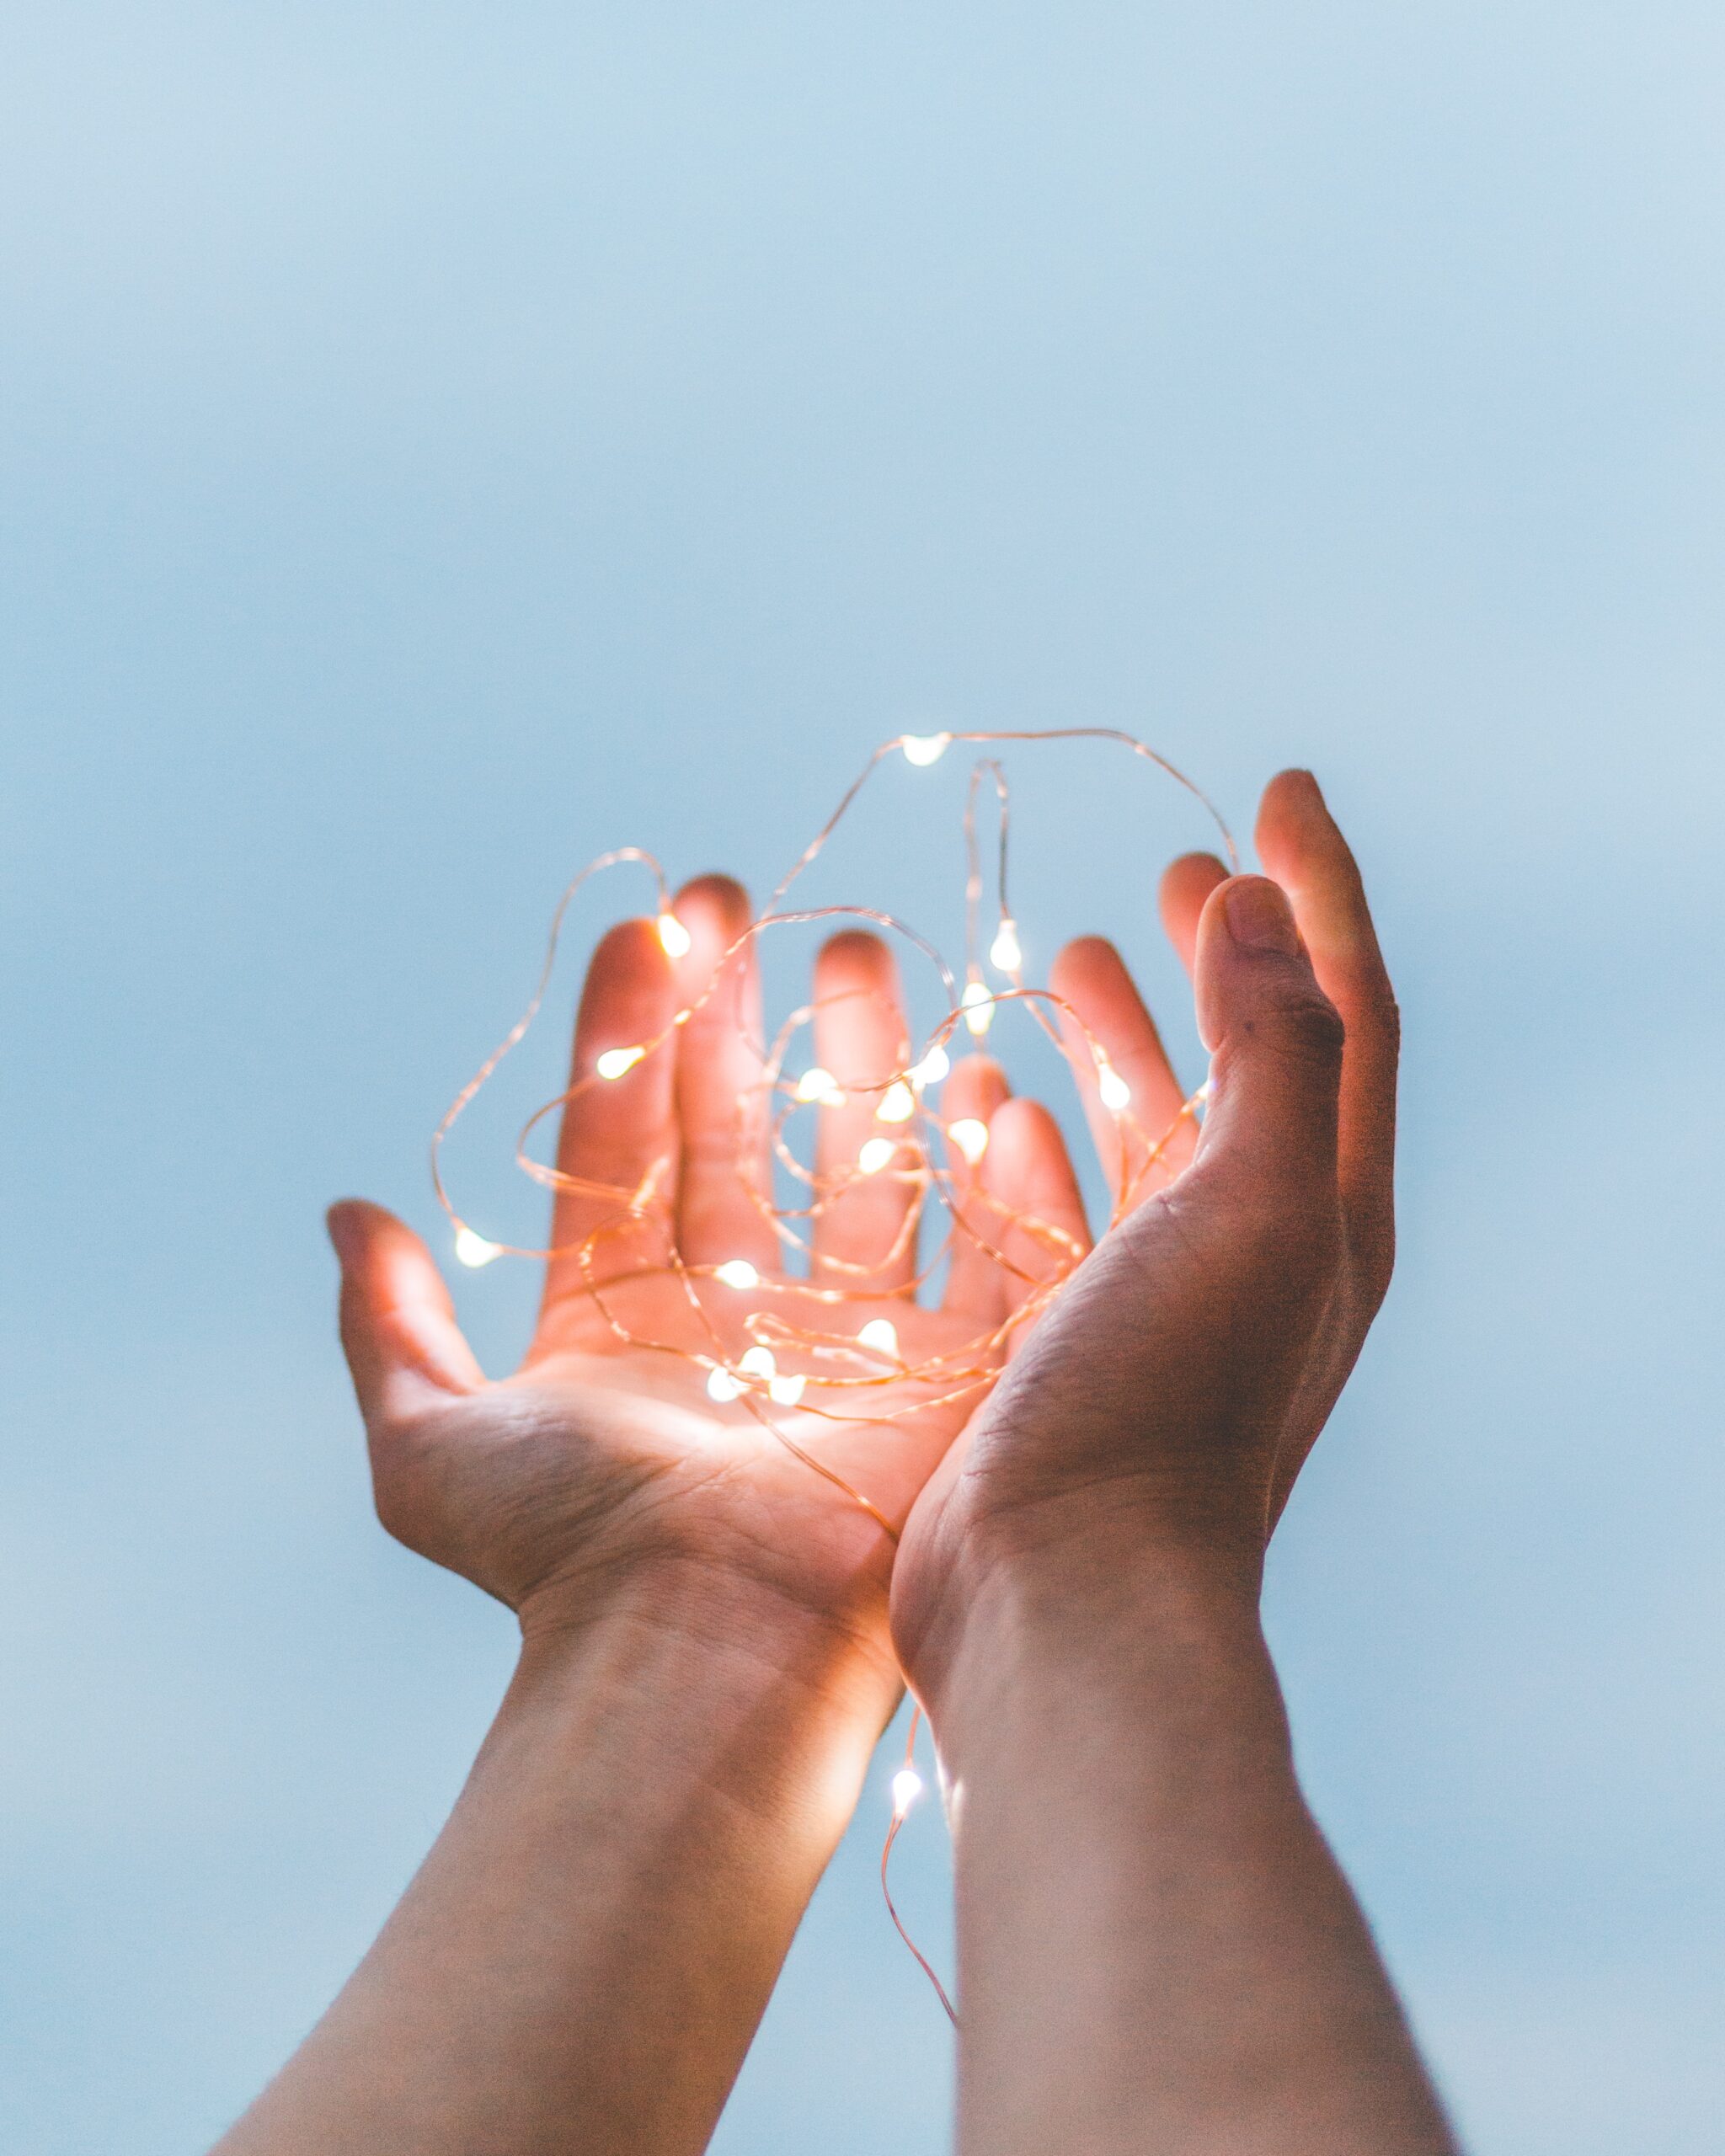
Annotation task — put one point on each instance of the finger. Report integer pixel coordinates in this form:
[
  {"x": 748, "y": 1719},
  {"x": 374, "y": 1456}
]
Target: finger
[
  {"x": 862, "y": 1230},
  {"x": 1186, "y": 884},
  {"x": 1300, "y": 846},
  {"x": 976, "y": 1285},
  {"x": 1275, "y": 1041},
  {"x": 1029, "y": 1174},
  {"x": 618, "y": 1134},
  {"x": 726, "y": 1180},
  {"x": 1143, "y": 1141},
  {"x": 404, "y": 1347}
]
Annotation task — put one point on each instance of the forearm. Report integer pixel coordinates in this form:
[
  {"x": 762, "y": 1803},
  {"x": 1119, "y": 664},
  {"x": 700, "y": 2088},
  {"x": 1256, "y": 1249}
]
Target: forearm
[
  {"x": 584, "y": 1957},
  {"x": 1156, "y": 1950}
]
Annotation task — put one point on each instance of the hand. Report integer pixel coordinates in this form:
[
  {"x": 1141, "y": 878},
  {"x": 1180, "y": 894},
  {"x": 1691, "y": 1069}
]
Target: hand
[
  {"x": 599, "y": 1461},
  {"x": 1161, "y": 1411}
]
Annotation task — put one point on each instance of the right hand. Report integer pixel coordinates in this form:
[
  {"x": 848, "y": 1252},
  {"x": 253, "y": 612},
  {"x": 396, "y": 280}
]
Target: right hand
[{"x": 1159, "y": 1412}]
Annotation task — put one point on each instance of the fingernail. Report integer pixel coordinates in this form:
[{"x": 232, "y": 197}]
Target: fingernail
[{"x": 1259, "y": 918}]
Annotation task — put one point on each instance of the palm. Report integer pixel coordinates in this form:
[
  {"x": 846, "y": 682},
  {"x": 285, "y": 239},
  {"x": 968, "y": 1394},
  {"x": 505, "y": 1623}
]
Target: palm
[{"x": 606, "y": 1443}]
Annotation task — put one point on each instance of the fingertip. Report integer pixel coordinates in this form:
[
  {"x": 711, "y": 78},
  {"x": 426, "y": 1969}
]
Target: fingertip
[
  {"x": 976, "y": 1087},
  {"x": 711, "y": 894},
  {"x": 632, "y": 946},
  {"x": 1023, "y": 1136},
  {"x": 342, "y": 1226},
  {"x": 1185, "y": 889},
  {"x": 854, "y": 958},
  {"x": 1084, "y": 966},
  {"x": 355, "y": 1225},
  {"x": 1257, "y": 919}
]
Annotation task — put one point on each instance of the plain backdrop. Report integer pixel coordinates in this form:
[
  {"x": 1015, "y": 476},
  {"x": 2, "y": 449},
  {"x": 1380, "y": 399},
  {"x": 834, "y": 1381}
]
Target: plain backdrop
[{"x": 438, "y": 442}]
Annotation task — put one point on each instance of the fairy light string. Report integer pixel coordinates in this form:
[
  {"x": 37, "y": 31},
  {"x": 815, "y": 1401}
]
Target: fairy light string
[{"x": 814, "y": 1358}]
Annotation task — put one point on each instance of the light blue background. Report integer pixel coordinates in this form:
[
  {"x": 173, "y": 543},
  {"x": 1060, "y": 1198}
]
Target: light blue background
[{"x": 440, "y": 441}]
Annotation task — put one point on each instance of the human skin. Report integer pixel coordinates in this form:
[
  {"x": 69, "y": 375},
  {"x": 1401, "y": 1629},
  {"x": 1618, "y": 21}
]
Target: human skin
[
  {"x": 705, "y": 1664},
  {"x": 1156, "y": 1950}
]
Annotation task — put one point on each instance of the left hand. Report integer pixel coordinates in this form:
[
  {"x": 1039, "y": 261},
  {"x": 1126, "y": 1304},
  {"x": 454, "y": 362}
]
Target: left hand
[{"x": 599, "y": 1464}]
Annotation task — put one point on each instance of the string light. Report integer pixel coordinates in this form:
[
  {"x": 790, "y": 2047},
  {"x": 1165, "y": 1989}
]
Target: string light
[
  {"x": 842, "y": 1386},
  {"x": 977, "y": 1006},
  {"x": 970, "y": 1136},
  {"x": 816, "y": 1084},
  {"x": 924, "y": 748}
]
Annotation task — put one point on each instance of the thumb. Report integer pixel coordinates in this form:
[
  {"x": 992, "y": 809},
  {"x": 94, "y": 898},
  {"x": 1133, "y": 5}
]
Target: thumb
[
  {"x": 404, "y": 1347},
  {"x": 1275, "y": 1036}
]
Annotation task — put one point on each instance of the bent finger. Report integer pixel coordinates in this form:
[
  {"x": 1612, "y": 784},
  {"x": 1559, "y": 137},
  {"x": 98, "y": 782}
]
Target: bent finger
[
  {"x": 975, "y": 1283},
  {"x": 403, "y": 1347},
  {"x": 1302, "y": 847},
  {"x": 1134, "y": 1114}
]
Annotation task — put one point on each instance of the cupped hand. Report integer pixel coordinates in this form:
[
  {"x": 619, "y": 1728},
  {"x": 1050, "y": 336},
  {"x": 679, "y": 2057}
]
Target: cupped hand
[
  {"x": 1159, "y": 1412},
  {"x": 602, "y": 1460}
]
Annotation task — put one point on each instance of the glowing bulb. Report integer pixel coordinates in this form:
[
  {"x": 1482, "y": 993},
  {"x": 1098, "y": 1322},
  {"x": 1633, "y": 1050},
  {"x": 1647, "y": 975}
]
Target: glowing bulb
[
  {"x": 881, "y": 1334},
  {"x": 970, "y": 1136},
  {"x": 907, "y": 1787},
  {"x": 721, "y": 1385},
  {"x": 758, "y": 1363},
  {"x": 877, "y": 1153},
  {"x": 925, "y": 748},
  {"x": 737, "y": 1273},
  {"x": 785, "y": 1392},
  {"x": 1005, "y": 952},
  {"x": 1115, "y": 1093},
  {"x": 613, "y": 1062},
  {"x": 474, "y": 1249},
  {"x": 933, "y": 1067},
  {"x": 676, "y": 938},
  {"x": 898, "y": 1103},
  {"x": 977, "y": 1006},
  {"x": 818, "y": 1084}
]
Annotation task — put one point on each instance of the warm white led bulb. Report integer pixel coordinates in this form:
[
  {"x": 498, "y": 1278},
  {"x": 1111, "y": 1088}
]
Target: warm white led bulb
[
  {"x": 676, "y": 938},
  {"x": 977, "y": 1006},
  {"x": 881, "y": 1334},
  {"x": 933, "y": 1067},
  {"x": 898, "y": 1104},
  {"x": 818, "y": 1084},
  {"x": 613, "y": 1062},
  {"x": 970, "y": 1136},
  {"x": 925, "y": 748},
  {"x": 474, "y": 1249},
  {"x": 1115, "y": 1093},
  {"x": 1004, "y": 951},
  {"x": 785, "y": 1392},
  {"x": 907, "y": 1787},
  {"x": 758, "y": 1363},
  {"x": 737, "y": 1273},
  {"x": 876, "y": 1154},
  {"x": 721, "y": 1385}
]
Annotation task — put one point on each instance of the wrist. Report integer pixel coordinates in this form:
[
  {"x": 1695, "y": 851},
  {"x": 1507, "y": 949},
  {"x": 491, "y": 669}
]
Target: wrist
[
  {"x": 704, "y": 1680},
  {"x": 1098, "y": 1619}
]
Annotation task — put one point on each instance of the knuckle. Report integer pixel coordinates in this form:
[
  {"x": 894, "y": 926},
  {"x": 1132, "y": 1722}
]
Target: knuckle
[{"x": 1308, "y": 1029}]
